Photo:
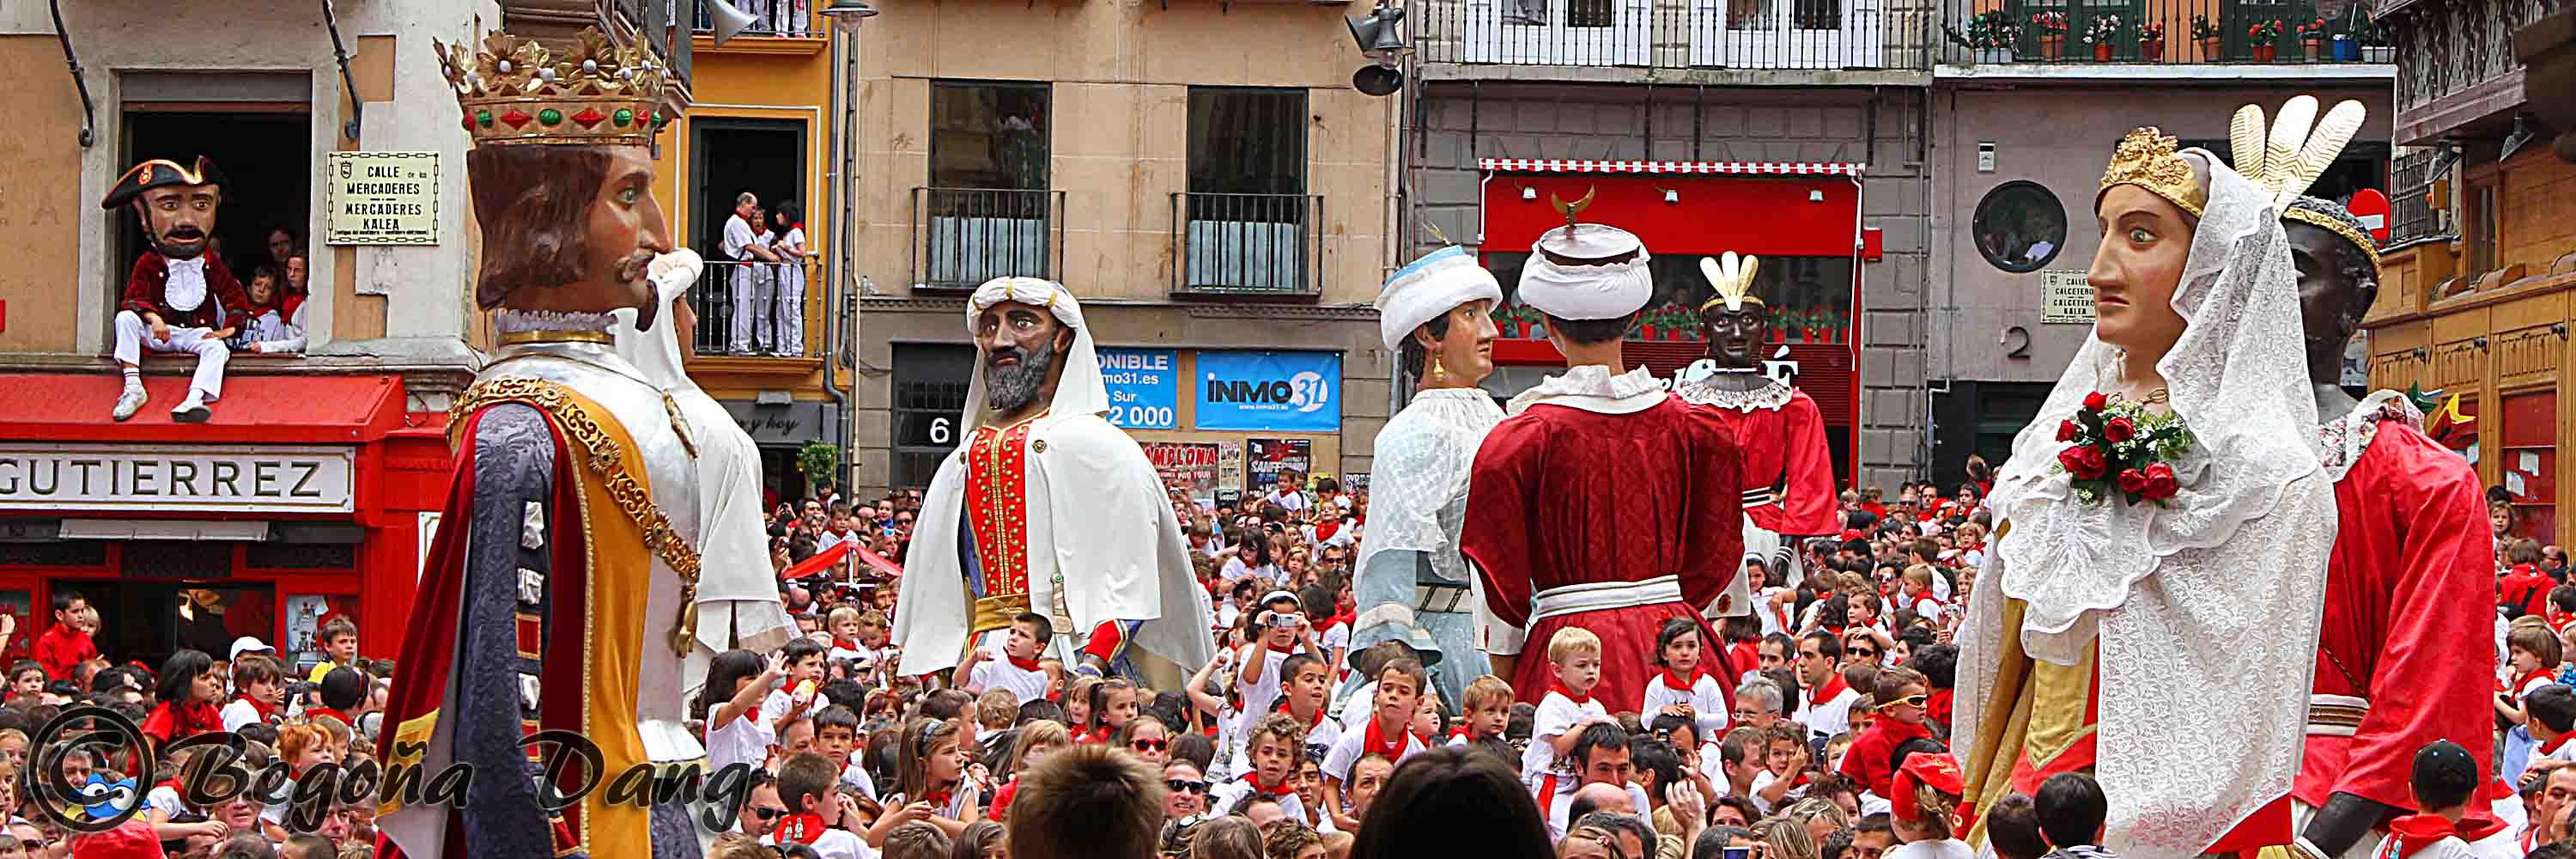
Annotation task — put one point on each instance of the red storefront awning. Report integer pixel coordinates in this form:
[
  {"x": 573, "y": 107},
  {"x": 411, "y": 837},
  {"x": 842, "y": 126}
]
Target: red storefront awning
[
  {"x": 1682, "y": 207},
  {"x": 254, "y": 409}
]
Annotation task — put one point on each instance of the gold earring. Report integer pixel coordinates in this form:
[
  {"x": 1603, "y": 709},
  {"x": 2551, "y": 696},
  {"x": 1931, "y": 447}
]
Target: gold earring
[{"x": 1437, "y": 370}]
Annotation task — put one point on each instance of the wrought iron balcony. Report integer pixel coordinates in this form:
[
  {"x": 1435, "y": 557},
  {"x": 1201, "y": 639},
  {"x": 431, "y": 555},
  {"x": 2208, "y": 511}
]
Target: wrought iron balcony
[
  {"x": 769, "y": 17},
  {"x": 1822, "y": 35},
  {"x": 2458, "y": 76},
  {"x": 759, "y": 309},
  {"x": 1985, "y": 32},
  {"x": 962, "y": 237},
  {"x": 1248, "y": 244},
  {"x": 2412, "y": 215}
]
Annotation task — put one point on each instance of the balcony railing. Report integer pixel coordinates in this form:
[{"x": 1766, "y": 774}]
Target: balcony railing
[
  {"x": 759, "y": 309},
  {"x": 2412, "y": 216},
  {"x": 962, "y": 237},
  {"x": 1983, "y": 32},
  {"x": 769, "y": 17},
  {"x": 2453, "y": 46},
  {"x": 1707, "y": 34},
  {"x": 1248, "y": 244}
]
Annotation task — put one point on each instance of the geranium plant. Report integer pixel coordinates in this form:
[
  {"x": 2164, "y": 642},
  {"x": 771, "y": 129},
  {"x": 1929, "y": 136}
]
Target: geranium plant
[
  {"x": 2151, "y": 32},
  {"x": 2114, "y": 446},
  {"x": 2103, "y": 31},
  {"x": 2313, "y": 30},
  {"x": 2049, "y": 23},
  {"x": 2268, "y": 31},
  {"x": 1995, "y": 30},
  {"x": 2203, "y": 28}
]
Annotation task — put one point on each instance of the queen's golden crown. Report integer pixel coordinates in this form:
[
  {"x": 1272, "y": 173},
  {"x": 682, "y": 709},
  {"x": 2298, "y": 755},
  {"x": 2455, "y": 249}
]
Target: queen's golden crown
[
  {"x": 605, "y": 91},
  {"x": 2150, "y": 160}
]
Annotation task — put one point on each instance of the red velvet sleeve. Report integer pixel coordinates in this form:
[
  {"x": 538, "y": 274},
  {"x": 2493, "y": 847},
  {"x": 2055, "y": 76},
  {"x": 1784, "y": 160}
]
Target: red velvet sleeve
[
  {"x": 1496, "y": 536},
  {"x": 1809, "y": 502},
  {"x": 143, "y": 286},
  {"x": 1713, "y": 539},
  {"x": 236, "y": 300},
  {"x": 2437, "y": 663}
]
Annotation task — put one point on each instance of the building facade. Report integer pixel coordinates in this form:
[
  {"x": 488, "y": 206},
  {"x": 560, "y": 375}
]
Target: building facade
[
  {"x": 2476, "y": 282},
  {"x": 1788, "y": 129},
  {"x": 763, "y": 121},
  {"x": 1202, "y": 175},
  {"x": 2027, "y": 122},
  {"x": 314, "y": 489}
]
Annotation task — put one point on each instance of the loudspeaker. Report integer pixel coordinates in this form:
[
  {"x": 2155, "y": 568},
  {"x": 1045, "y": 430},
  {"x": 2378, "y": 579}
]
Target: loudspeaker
[
  {"x": 1375, "y": 79},
  {"x": 729, "y": 20}
]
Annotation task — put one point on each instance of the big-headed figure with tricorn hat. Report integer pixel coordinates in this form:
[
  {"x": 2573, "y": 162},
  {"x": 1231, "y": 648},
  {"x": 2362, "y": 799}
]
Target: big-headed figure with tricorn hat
[
  {"x": 563, "y": 589},
  {"x": 1603, "y": 501},
  {"x": 179, "y": 298},
  {"x": 1048, "y": 509}
]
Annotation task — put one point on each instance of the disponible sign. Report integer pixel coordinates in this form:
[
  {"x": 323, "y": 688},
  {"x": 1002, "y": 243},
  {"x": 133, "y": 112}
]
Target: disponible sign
[
  {"x": 381, "y": 198},
  {"x": 1272, "y": 391},
  {"x": 57, "y": 477},
  {"x": 1144, "y": 387}
]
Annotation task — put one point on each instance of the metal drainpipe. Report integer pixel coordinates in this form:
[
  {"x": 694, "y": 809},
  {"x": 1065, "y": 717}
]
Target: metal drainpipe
[{"x": 834, "y": 326}]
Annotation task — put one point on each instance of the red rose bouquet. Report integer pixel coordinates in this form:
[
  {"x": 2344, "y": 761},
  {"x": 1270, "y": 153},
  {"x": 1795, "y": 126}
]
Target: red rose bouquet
[{"x": 2120, "y": 446}]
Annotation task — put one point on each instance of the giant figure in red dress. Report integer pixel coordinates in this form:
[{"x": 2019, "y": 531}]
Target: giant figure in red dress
[
  {"x": 2404, "y": 657},
  {"x": 1602, "y": 501},
  {"x": 1788, "y": 466}
]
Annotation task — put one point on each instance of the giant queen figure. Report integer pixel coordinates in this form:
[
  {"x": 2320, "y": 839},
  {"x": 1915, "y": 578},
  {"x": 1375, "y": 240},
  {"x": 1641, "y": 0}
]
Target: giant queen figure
[
  {"x": 562, "y": 591},
  {"x": 2162, "y": 638}
]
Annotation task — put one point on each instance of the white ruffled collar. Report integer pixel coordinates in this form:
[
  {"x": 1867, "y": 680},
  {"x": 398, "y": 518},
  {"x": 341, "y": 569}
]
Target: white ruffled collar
[
  {"x": 1591, "y": 388},
  {"x": 185, "y": 287},
  {"x": 1768, "y": 397}
]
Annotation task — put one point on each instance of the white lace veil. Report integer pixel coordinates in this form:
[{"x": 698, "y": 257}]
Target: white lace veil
[{"x": 2214, "y": 598}]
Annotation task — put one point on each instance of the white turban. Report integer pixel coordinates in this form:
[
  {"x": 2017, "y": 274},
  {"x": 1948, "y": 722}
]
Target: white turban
[
  {"x": 1579, "y": 292},
  {"x": 1080, "y": 389},
  {"x": 1427, "y": 290}
]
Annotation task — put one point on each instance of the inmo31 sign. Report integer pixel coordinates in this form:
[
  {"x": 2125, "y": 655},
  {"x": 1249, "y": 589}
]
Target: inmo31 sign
[{"x": 1291, "y": 391}]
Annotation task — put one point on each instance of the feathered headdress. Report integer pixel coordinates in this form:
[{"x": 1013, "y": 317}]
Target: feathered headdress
[
  {"x": 1732, "y": 276},
  {"x": 2297, "y": 147}
]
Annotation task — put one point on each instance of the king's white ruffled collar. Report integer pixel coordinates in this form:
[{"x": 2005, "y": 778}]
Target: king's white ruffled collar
[{"x": 1591, "y": 388}]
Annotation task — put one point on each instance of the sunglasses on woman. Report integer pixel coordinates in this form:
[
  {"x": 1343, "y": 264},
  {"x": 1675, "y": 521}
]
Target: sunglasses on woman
[
  {"x": 1150, "y": 745},
  {"x": 1178, "y": 785}
]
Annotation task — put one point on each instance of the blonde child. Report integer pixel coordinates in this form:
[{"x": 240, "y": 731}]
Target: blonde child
[
  {"x": 847, "y": 645},
  {"x": 1489, "y": 711},
  {"x": 1927, "y": 791},
  {"x": 1548, "y": 766}
]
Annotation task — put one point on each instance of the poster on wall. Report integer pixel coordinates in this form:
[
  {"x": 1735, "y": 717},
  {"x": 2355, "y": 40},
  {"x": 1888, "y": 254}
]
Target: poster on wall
[
  {"x": 1229, "y": 464},
  {"x": 1269, "y": 391},
  {"x": 305, "y": 614},
  {"x": 1269, "y": 456},
  {"x": 1144, "y": 387},
  {"x": 1187, "y": 466}
]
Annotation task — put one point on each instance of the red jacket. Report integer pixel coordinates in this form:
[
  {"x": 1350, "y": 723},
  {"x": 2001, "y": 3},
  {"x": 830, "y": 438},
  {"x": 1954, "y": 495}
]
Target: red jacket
[
  {"x": 144, "y": 294},
  {"x": 62, "y": 648},
  {"x": 2527, "y": 587},
  {"x": 1868, "y": 760}
]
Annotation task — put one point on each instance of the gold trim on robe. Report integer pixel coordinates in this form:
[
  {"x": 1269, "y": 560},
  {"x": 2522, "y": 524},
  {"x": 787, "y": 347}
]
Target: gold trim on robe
[
  {"x": 997, "y": 513},
  {"x": 2038, "y": 713}
]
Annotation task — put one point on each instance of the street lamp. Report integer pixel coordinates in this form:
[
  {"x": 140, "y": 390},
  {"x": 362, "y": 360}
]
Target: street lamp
[
  {"x": 1379, "y": 40},
  {"x": 846, "y": 14}
]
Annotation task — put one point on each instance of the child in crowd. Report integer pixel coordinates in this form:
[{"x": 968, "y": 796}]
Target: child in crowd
[
  {"x": 1489, "y": 711},
  {"x": 2012, "y": 828},
  {"x": 2550, "y": 719},
  {"x": 339, "y": 640},
  {"x": 1018, "y": 669},
  {"x": 815, "y": 804},
  {"x": 259, "y": 691},
  {"x": 1112, "y": 706},
  {"x": 1927, "y": 789},
  {"x": 1304, "y": 694},
  {"x": 1277, "y": 743},
  {"x": 1684, "y": 687},
  {"x": 1037, "y": 740},
  {"x": 1548, "y": 766},
  {"x": 1870, "y": 760},
  {"x": 846, "y": 643},
  {"x": 1919, "y": 592},
  {"x": 1283, "y": 632},
  {"x": 799, "y": 697},
  {"x": 836, "y": 735},
  {"x": 276, "y": 314},
  {"x": 2524, "y": 587},
  {"x": 2534, "y": 660},
  {"x": 931, "y": 780},
  {"x": 2444, "y": 780},
  {"x": 737, "y": 681},
  {"x": 1388, "y": 734}
]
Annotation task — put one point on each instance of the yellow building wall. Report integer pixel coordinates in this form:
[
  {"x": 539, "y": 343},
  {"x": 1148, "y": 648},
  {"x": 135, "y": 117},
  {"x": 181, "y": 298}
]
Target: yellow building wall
[
  {"x": 758, "y": 77},
  {"x": 40, "y": 207},
  {"x": 1121, "y": 76},
  {"x": 354, "y": 316}
]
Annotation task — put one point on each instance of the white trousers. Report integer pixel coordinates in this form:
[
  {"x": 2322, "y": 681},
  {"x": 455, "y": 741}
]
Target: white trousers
[
  {"x": 755, "y": 293},
  {"x": 791, "y": 309},
  {"x": 133, "y": 335}
]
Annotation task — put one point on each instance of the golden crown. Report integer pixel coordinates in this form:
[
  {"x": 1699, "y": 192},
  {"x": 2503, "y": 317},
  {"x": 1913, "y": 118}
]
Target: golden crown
[
  {"x": 2150, "y": 160},
  {"x": 1732, "y": 277},
  {"x": 605, "y": 91}
]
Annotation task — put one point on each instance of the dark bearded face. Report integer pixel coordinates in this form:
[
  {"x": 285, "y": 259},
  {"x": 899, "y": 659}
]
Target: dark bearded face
[
  {"x": 1021, "y": 344},
  {"x": 1013, "y": 384}
]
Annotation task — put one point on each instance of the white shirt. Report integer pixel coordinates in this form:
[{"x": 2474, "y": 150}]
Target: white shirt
[
  {"x": 1327, "y": 733},
  {"x": 1346, "y": 753},
  {"x": 1561, "y": 805},
  {"x": 1706, "y": 700},
  {"x": 745, "y": 741},
  {"x": 1259, "y": 696},
  {"x": 834, "y": 844},
  {"x": 238, "y": 713},
  {"x": 737, "y": 236},
  {"x": 1357, "y": 708},
  {"x": 855, "y": 777},
  {"x": 1947, "y": 848},
  {"x": 1290, "y": 501},
  {"x": 1831, "y": 718},
  {"x": 1025, "y": 685},
  {"x": 779, "y": 701},
  {"x": 1337, "y": 639},
  {"x": 1557, "y": 714}
]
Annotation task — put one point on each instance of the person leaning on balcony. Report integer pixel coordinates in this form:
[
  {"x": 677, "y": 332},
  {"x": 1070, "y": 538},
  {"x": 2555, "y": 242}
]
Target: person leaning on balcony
[
  {"x": 179, "y": 298},
  {"x": 747, "y": 283},
  {"x": 787, "y": 229}
]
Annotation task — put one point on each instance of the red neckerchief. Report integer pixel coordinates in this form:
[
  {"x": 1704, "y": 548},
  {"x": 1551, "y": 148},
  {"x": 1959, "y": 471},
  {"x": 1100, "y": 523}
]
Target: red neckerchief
[
  {"x": 177, "y": 721},
  {"x": 1558, "y": 687},
  {"x": 1325, "y": 531},
  {"x": 938, "y": 799},
  {"x": 2552, "y": 746},
  {"x": 844, "y": 644},
  {"x": 323, "y": 712},
  {"x": 1373, "y": 742},
  {"x": 1253, "y": 778},
  {"x": 1022, "y": 664},
  {"x": 1675, "y": 681},
  {"x": 2417, "y": 831},
  {"x": 266, "y": 710},
  {"x": 2542, "y": 674},
  {"x": 1290, "y": 650},
  {"x": 1834, "y": 688},
  {"x": 801, "y": 828},
  {"x": 1311, "y": 724}
]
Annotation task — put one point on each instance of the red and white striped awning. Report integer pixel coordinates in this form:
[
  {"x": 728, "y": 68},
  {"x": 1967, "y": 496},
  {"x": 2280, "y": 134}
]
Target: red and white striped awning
[{"x": 1735, "y": 168}]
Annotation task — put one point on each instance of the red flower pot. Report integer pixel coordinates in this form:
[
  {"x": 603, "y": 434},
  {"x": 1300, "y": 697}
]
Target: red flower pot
[{"x": 2101, "y": 52}]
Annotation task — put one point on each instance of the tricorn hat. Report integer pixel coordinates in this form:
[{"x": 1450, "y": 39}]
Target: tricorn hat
[{"x": 157, "y": 173}]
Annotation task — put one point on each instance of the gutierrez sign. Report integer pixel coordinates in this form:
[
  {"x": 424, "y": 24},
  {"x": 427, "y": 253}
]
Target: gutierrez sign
[{"x": 170, "y": 477}]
